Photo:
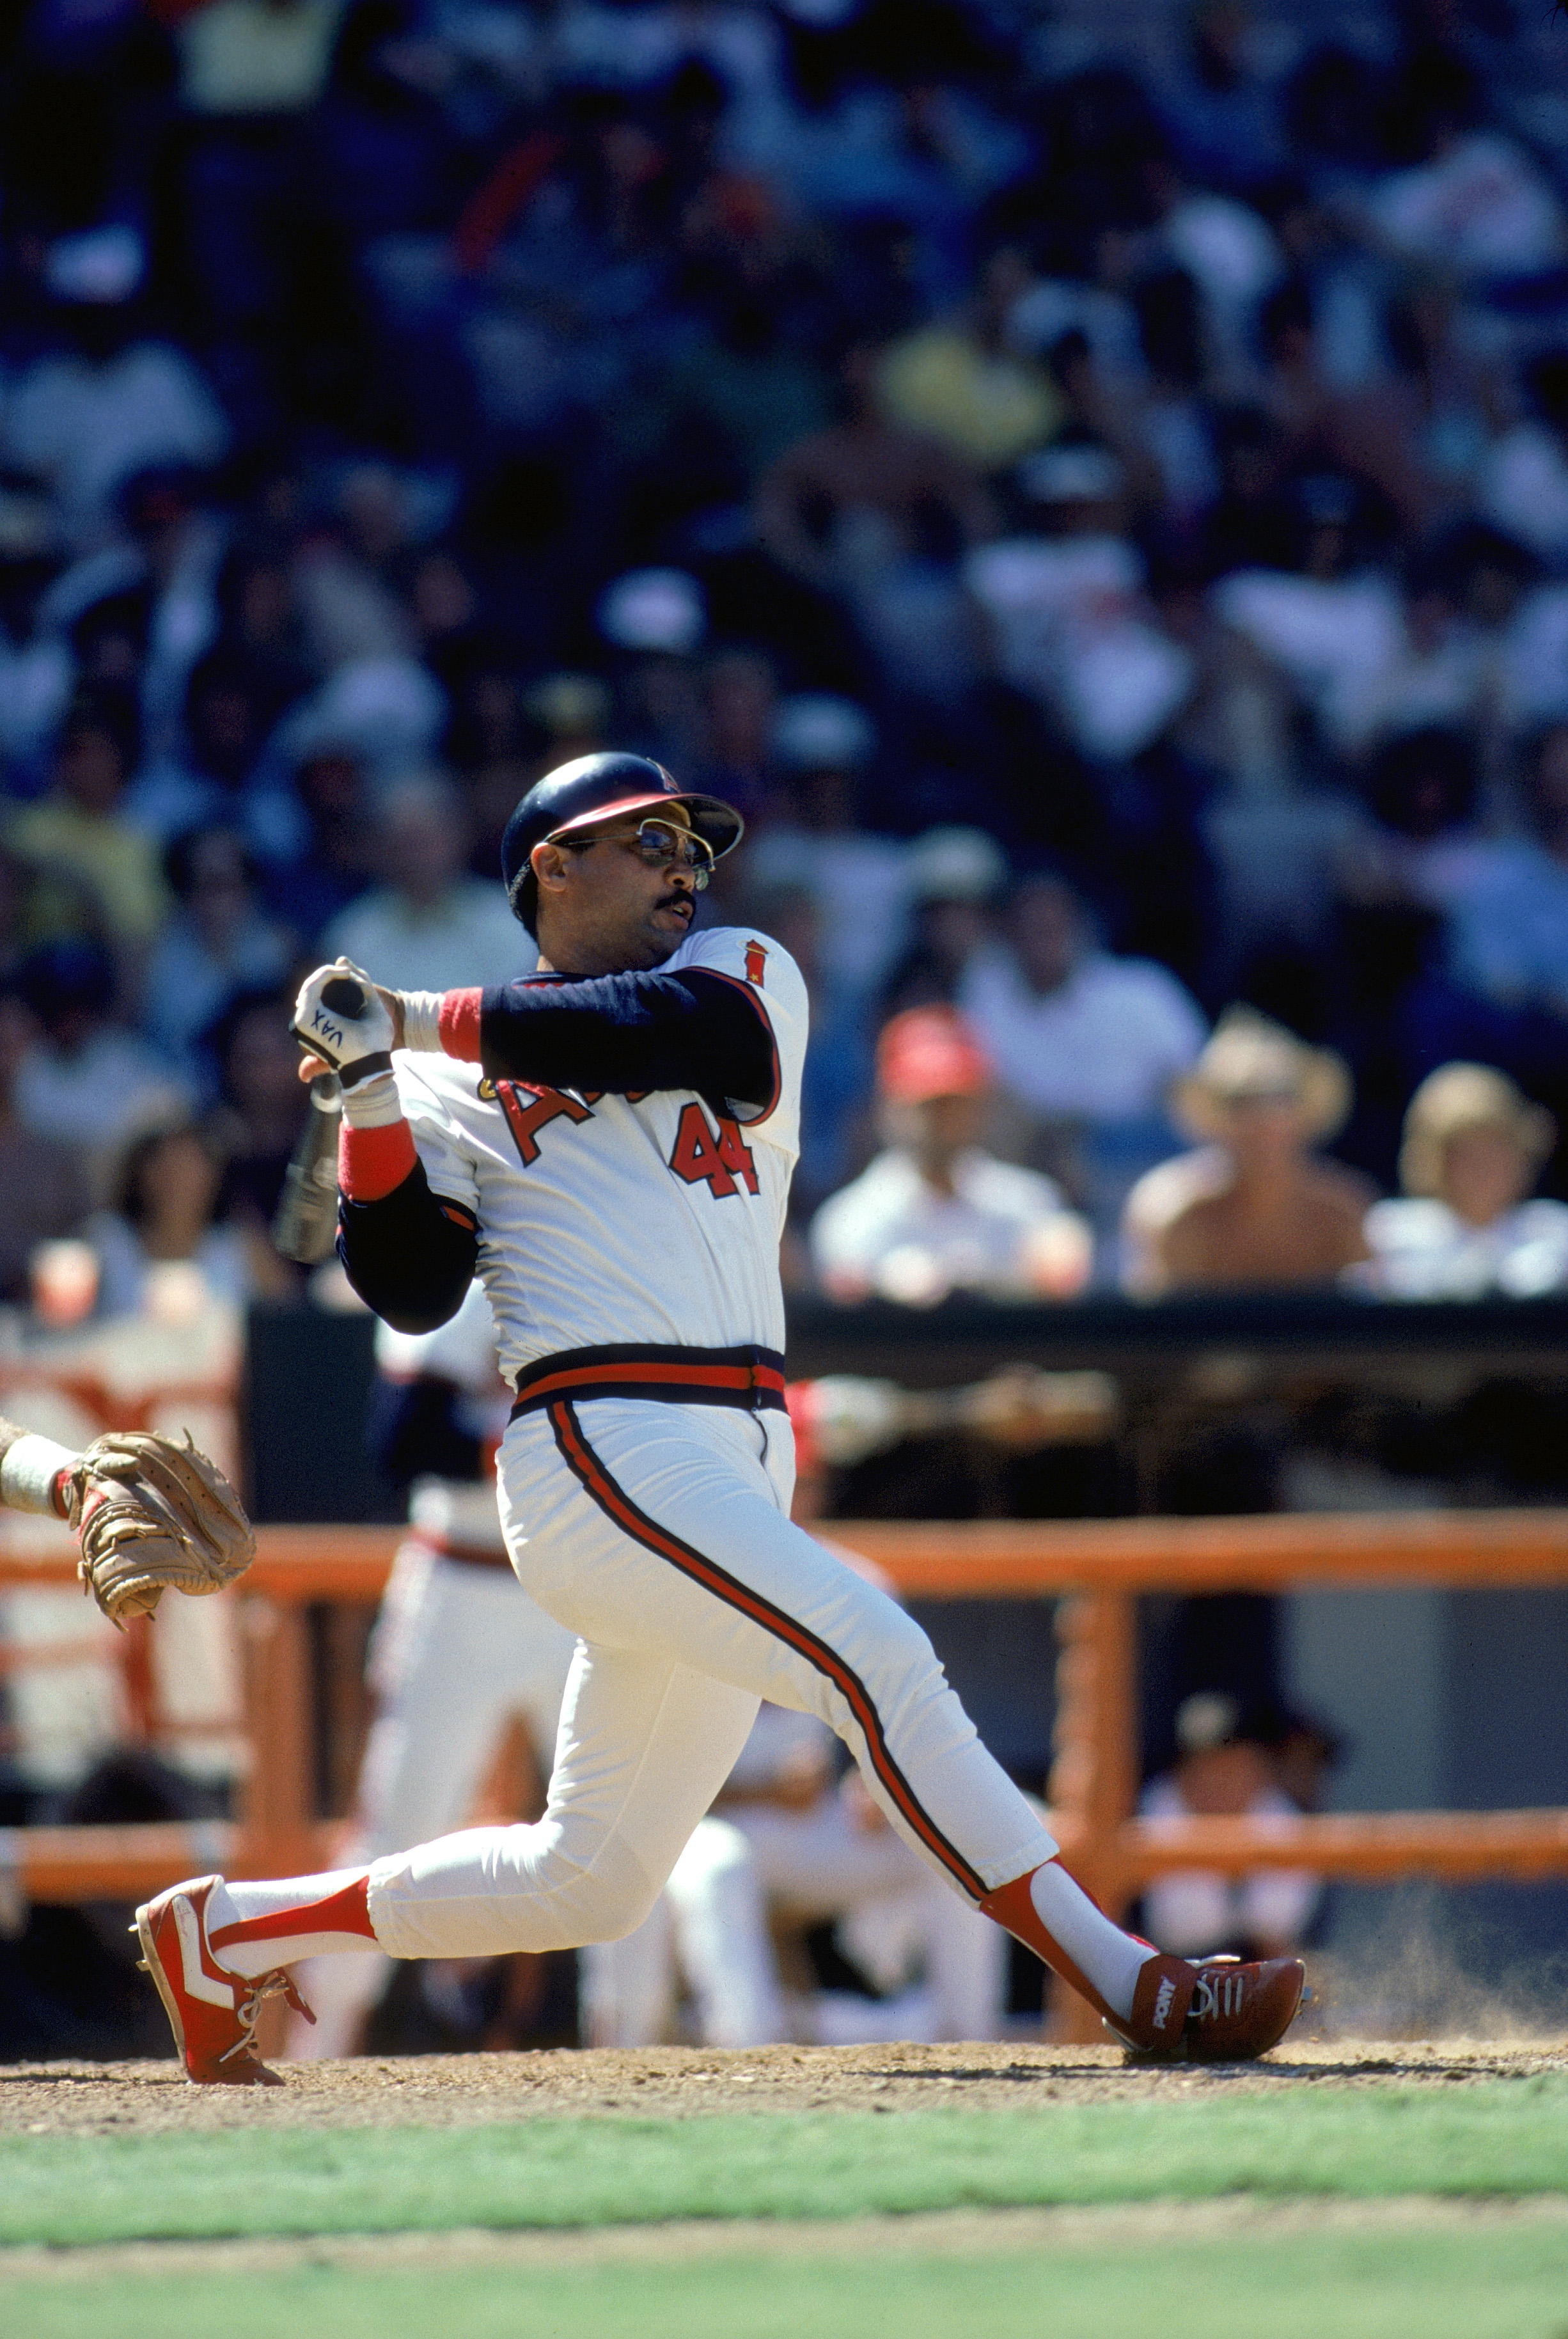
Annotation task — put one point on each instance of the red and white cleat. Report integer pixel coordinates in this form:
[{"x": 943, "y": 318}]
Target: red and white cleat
[
  {"x": 213, "y": 2011},
  {"x": 1217, "y": 2010}
]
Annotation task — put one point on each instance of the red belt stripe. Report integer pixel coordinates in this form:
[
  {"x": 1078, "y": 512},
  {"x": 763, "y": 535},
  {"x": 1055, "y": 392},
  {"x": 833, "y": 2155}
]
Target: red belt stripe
[
  {"x": 752, "y": 1379},
  {"x": 618, "y": 1507}
]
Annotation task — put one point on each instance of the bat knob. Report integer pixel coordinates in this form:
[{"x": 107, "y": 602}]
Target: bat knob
[{"x": 345, "y": 997}]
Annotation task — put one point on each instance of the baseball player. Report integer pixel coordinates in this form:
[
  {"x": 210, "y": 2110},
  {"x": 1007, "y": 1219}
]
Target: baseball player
[
  {"x": 610, "y": 1143},
  {"x": 459, "y": 1650}
]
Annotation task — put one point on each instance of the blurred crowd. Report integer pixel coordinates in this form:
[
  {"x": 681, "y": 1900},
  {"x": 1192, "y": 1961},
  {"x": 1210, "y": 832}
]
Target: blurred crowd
[{"x": 1092, "y": 489}]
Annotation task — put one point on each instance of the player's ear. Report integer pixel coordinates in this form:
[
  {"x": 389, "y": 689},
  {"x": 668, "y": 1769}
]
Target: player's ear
[{"x": 549, "y": 864}]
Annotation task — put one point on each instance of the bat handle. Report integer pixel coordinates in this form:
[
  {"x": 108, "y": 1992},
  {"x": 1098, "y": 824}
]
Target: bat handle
[{"x": 306, "y": 1222}]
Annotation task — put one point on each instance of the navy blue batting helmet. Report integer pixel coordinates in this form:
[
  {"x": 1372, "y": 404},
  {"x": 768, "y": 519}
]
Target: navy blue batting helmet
[{"x": 577, "y": 793}]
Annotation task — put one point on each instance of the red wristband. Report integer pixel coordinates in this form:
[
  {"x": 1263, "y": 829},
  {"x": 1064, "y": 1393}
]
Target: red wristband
[
  {"x": 459, "y": 1025},
  {"x": 372, "y": 1161}
]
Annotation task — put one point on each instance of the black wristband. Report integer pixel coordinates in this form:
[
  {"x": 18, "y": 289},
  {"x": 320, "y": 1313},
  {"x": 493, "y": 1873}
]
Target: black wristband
[{"x": 350, "y": 1075}]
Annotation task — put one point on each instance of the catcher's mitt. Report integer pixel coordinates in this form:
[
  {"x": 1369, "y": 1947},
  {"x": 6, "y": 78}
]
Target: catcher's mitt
[{"x": 149, "y": 1513}]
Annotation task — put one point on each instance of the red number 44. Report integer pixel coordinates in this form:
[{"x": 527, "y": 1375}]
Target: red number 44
[{"x": 716, "y": 1160}]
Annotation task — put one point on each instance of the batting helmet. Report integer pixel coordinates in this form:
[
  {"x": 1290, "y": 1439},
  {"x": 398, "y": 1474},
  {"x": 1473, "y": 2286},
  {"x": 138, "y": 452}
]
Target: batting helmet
[{"x": 577, "y": 793}]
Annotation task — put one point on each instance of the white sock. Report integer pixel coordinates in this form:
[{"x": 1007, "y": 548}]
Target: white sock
[{"x": 1106, "y": 1956}]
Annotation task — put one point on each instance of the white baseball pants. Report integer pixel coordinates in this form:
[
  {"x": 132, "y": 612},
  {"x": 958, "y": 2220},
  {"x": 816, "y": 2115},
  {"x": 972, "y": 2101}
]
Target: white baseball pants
[{"x": 659, "y": 1535}]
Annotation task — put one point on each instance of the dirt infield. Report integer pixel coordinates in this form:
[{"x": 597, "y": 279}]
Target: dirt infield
[{"x": 674, "y": 2082}]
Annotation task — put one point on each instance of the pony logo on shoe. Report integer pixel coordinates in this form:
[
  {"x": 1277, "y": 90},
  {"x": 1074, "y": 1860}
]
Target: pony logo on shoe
[{"x": 1163, "y": 2003}]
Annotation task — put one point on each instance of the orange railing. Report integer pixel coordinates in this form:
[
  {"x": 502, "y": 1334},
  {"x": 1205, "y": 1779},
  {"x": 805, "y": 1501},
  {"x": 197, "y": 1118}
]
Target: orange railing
[{"x": 1097, "y": 1569}]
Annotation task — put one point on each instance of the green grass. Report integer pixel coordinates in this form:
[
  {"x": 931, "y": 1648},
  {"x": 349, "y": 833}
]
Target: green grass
[
  {"x": 1420, "y": 2283},
  {"x": 1505, "y": 2137}
]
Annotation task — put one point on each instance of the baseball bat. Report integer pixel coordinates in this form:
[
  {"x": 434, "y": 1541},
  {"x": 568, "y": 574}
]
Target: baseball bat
[
  {"x": 306, "y": 1225},
  {"x": 848, "y": 1418}
]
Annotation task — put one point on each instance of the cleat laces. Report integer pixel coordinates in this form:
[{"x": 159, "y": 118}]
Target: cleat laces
[
  {"x": 1220, "y": 1990},
  {"x": 248, "y": 2008}
]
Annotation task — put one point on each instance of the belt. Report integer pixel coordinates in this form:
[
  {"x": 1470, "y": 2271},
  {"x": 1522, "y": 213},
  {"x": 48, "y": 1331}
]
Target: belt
[{"x": 751, "y": 1379}]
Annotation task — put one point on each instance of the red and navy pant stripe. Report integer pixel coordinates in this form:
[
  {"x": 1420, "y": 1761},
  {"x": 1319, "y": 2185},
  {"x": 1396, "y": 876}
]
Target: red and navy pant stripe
[{"x": 617, "y": 1505}]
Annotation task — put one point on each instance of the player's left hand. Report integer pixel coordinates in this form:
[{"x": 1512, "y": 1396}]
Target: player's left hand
[{"x": 342, "y": 1019}]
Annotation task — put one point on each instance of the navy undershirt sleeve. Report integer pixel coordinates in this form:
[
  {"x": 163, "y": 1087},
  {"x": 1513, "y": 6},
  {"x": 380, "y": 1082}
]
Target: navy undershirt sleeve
[
  {"x": 410, "y": 1256},
  {"x": 626, "y": 1033}
]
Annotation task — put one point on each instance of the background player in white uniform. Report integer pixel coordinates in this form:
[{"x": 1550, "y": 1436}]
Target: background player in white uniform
[
  {"x": 613, "y": 1141},
  {"x": 788, "y": 1838},
  {"x": 459, "y": 1650}
]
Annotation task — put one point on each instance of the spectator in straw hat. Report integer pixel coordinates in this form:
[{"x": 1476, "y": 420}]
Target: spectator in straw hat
[
  {"x": 935, "y": 1211},
  {"x": 1254, "y": 1204},
  {"x": 1464, "y": 1228}
]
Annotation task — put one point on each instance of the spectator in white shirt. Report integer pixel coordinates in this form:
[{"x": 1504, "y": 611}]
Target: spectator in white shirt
[
  {"x": 1464, "y": 1228},
  {"x": 1222, "y": 1771},
  {"x": 1066, "y": 606},
  {"x": 429, "y": 926},
  {"x": 1522, "y": 486},
  {"x": 1508, "y": 931},
  {"x": 1087, "y": 1042},
  {"x": 1077, "y": 1033},
  {"x": 936, "y": 1212},
  {"x": 86, "y": 1082},
  {"x": 1478, "y": 205},
  {"x": 219, "y": 942},
  {"x": 87, "y": 418},
  {"x": 825, "y": 746},
  {"x": 1423, "y": 849},
  {"x": 166, "y": 1210}
]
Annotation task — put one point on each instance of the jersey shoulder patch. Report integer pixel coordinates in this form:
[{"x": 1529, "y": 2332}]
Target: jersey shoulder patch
[{"x": 739, "y": 951}]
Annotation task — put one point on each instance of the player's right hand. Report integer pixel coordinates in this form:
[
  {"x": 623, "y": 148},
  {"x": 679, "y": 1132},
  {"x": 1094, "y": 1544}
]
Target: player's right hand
[{"x": 345, "y": 1023}]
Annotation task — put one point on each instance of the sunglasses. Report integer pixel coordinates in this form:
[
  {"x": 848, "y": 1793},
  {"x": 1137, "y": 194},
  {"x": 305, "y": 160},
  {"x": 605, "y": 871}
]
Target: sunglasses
[{"x": 657, "y": 844}]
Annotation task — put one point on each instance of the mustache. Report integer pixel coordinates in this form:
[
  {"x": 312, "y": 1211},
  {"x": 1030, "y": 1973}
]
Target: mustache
[{"x": 677, "y": 899}]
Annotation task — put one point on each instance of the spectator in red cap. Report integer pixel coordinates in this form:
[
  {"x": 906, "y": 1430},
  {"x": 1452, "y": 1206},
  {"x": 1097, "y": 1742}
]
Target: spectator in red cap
[{"x": 936, "y": 1212}]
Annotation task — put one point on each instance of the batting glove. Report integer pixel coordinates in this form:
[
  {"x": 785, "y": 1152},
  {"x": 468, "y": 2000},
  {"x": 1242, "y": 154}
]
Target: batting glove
[{"x": 340, "y": 1017}]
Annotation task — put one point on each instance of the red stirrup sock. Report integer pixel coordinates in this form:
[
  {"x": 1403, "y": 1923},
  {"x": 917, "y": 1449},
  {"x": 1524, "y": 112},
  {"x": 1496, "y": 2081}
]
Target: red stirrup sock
[
  {"x": 1056, "y": 1918},
  {"x": 253, "y": 1928}
]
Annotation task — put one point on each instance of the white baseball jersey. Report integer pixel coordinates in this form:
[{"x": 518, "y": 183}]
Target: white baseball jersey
[{"x": 608, "y": 1218}]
